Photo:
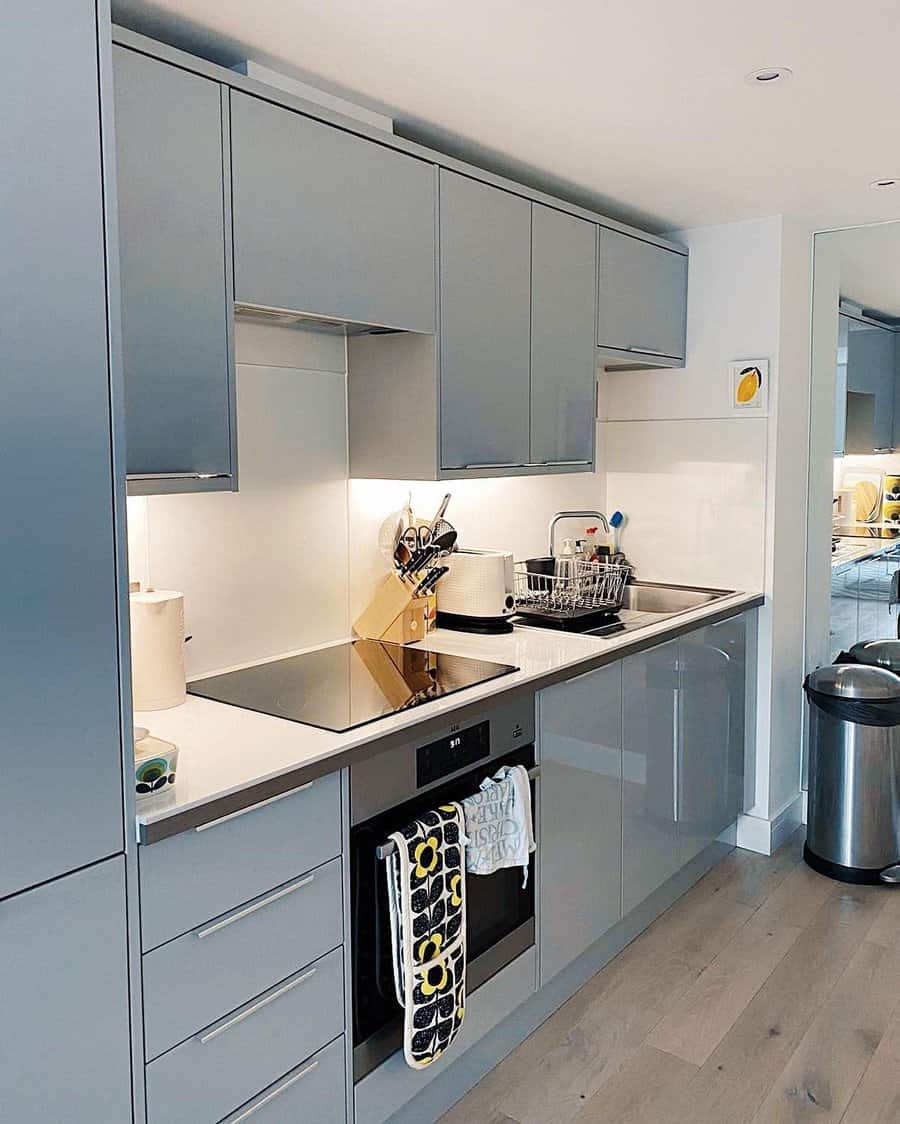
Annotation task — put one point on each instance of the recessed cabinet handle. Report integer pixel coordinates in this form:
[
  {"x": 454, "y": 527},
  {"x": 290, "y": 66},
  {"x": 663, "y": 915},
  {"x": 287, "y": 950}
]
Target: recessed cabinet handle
[
  {"x": 496, "y": 464},
  {"x": 242, "y": 913},
  {"x": 209, "y": 1035},
  {"x": 253, "y": 807},
  {"x": 179, "y": 476},
  {"x": 649, "y": 351},
  {"x": 254, "y": 1108}
]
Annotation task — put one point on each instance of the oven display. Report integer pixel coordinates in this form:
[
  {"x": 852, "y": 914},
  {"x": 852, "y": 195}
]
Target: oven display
[{"x": 441, "y": 758}]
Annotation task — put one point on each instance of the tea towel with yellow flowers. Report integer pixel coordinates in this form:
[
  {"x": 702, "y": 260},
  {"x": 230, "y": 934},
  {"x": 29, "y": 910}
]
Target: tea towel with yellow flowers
[{"x": 426, "y": 878}]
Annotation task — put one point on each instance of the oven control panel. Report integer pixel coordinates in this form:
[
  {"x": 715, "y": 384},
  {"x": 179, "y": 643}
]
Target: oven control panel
[{"x": 455, "y": 751}]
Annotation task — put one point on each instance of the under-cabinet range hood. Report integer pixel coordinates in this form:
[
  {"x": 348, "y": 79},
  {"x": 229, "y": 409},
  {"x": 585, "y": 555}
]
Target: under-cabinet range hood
[{"x": 288, "y": 317}]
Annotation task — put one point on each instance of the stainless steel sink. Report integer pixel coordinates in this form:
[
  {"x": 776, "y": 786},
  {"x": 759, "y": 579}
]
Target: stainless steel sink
[
  {"x": 647, "y": 597},
  {"x": 648, "y": 603}
]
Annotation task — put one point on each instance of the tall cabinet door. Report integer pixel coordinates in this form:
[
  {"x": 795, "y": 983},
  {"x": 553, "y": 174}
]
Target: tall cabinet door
[
  {"x": 581, "y": 814},
  {"x": 329, "y": 223},
  {"x": 871, "y": 369},
  {"x": 643, "y": 296},
  {"x": 65, "y": 1048},
  {"x": 712, "y": 693},
  {"x": 563, "y": 355},
  {"x": 649, "y": 813},
  {"x": 485, "y": 309},
  {"x": 61, "y": 796},
  {"x": 179, "y": 387}
]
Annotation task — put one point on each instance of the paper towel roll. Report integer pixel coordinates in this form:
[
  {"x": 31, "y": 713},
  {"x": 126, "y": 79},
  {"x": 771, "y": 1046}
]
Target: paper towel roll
[{"x": 157, "y": 649}]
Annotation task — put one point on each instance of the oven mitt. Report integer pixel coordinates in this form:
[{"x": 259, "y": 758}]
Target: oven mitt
[{"x": 426, "y": 890}]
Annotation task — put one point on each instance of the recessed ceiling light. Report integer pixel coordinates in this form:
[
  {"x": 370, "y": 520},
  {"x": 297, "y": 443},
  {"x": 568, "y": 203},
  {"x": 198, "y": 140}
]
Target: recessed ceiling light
[
  {"x": 769, "y": 76},
  {"x": 888, "y": 181}
]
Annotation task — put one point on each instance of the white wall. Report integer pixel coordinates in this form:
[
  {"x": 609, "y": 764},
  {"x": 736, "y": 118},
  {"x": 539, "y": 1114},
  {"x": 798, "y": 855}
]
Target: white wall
[{"x": 719, "y": 499}]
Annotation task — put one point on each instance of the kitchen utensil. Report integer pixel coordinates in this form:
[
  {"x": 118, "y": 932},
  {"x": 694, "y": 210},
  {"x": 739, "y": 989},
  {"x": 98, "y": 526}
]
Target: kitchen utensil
[
  {"x": 427, "y": 584},
  {"x": 445, "y": 539},
  {"x": 402, "y": 555},
  {"x": 617, "y": 522},
  {"x": 420, "y": 560},
  {"x": 439, "y": 514},
  {"x": 390, "y": 533}
]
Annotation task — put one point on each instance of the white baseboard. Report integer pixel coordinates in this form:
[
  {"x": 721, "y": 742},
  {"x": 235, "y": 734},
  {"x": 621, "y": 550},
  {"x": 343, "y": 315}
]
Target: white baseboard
[{"x": 754, "y": 833}]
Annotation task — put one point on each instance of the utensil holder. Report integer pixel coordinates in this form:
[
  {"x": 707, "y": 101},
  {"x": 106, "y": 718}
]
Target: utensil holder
[{"x": 395, "y": 615}]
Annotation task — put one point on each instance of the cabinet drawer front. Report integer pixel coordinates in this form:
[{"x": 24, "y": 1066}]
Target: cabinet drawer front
[
  {"x": 314, "y": 1091},
  {"x": 226, "y": 1064},
  {"x": 191, "y": 981},
  {"x": 199, "y": 874}
]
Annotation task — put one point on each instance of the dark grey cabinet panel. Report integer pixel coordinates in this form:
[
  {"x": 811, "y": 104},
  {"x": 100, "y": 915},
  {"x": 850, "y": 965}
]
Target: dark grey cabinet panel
[
  {"x": 712, "y": 692},
  {"x": 65, "y": 1048},
  {"x": 581, "y": 814},
  {"x": 485, "y": 275},
  {"x": 871, "y": 370},
  {"x": 179, "y": 384},
  {"x": 61, "y": 798},
  {"x": 649, "y": 814},
  {"x": 329, "y": 223},
  {"x": 563, "y": 356},
  {"x": 643, "y": 296}
]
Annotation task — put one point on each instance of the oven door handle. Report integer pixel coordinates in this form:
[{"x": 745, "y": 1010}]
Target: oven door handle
[{"x": 384, "y": 849}]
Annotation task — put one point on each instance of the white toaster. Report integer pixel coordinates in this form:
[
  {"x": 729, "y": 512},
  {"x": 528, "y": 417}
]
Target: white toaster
[{"x": 477, "y": 593}]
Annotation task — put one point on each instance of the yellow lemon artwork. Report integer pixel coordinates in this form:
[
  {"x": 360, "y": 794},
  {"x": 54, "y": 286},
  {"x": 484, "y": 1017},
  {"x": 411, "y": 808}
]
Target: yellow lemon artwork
[{"x": 748, "y": 385}]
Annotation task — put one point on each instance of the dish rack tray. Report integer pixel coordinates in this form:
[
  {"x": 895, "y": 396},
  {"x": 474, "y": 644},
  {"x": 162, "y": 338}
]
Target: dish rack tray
[{"x": 573, "y": 587}]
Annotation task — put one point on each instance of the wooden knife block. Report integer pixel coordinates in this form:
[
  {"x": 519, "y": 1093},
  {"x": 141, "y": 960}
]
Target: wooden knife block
[{"x": 394, "y": 615}]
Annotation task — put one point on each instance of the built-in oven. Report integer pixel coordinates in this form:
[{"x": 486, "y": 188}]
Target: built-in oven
[{"x": 389, "y": 790}]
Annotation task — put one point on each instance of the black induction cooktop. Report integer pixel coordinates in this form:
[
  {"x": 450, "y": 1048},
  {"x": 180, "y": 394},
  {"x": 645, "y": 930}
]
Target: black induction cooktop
[{"x": 347, "y": 685}]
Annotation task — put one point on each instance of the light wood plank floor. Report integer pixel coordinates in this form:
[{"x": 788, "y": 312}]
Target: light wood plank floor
[{"x": 766, "y": 995}]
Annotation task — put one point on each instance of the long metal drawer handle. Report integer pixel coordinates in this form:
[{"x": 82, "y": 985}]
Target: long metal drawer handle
[
  {"x": 271, "y": 1096},
  {"x": 253, "y": 807},
  {"x": 649, "y": 351},
  {"x": 495, "y": 464},
  {"x": 211, "y": 1034},
  {"x": 242, "y": 913}
]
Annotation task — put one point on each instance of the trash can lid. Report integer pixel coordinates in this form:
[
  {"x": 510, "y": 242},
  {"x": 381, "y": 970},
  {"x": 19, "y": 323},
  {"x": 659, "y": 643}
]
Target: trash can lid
[
  {"x": 878, "y": 653},
  {"x": 855, "y": 681}
]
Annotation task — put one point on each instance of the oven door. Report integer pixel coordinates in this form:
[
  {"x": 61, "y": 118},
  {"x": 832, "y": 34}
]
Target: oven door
[{"x": 499, "y": 918}]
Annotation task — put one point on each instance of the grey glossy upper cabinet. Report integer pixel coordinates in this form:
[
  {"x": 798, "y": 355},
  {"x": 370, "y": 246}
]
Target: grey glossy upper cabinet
[
  {"x": 563, "y": 357},
  {"x": 712, "y": 705},
  {"x": 485, "y": 303},
  {"x": 580, "y": 814},
  {"x": 65, "y": 1044},
  {"x": 871, "y": 370},
  {"x": 327, "y": 223},
  {"x": 649, "y": 793},
  {"x": 174, "y": 259},
  {"x": 642, "y": 307},
  {"x": 61, "y": 797}
]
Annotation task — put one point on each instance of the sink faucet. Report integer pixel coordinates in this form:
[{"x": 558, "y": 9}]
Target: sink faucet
[{"x": 598, "y": 515}]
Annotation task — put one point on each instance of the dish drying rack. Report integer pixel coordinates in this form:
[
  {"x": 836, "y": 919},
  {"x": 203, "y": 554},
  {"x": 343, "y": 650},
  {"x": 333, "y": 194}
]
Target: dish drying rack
[{"x": 575, "y": 587}]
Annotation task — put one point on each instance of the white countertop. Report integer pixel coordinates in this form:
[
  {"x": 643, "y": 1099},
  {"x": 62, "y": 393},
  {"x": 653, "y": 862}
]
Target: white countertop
[
  {"x": 852, "y": 549},
  {"x": 223, "y": 749}
]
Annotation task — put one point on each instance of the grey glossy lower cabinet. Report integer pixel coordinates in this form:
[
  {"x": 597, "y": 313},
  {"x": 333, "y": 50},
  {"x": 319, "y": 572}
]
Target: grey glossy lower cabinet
[
  {"x": 712, "y": 693},
  {"x": 65, "y": 1051},
  {"x": 580, "y": 814},
  {"x": 649, "y": 813}
]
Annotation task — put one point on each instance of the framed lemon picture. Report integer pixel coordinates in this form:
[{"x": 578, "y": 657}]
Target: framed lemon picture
[{"x": 749, "y": 385}]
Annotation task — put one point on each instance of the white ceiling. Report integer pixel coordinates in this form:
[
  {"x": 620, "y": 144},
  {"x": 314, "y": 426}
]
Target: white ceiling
[
  {"x": 639, "y": 107},
  {"x": 870, "y": 265}
]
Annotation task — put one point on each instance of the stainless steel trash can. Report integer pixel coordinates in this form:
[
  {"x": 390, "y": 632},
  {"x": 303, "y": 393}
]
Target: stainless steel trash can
[
  {"x": 853, "y": 830},
  {"x": 877, "y": 653}
]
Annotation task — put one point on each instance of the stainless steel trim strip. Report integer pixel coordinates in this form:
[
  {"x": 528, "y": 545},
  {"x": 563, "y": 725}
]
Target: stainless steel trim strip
[
  {"x": 209, "y": 1035},
  {"x": 497, "y": 464},
  {"x": 252, "y": 807},
  {"x": 201, "y": 934},
  {"x": 254, "y": 1108},
  {"x": 137, "y": 476}
]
